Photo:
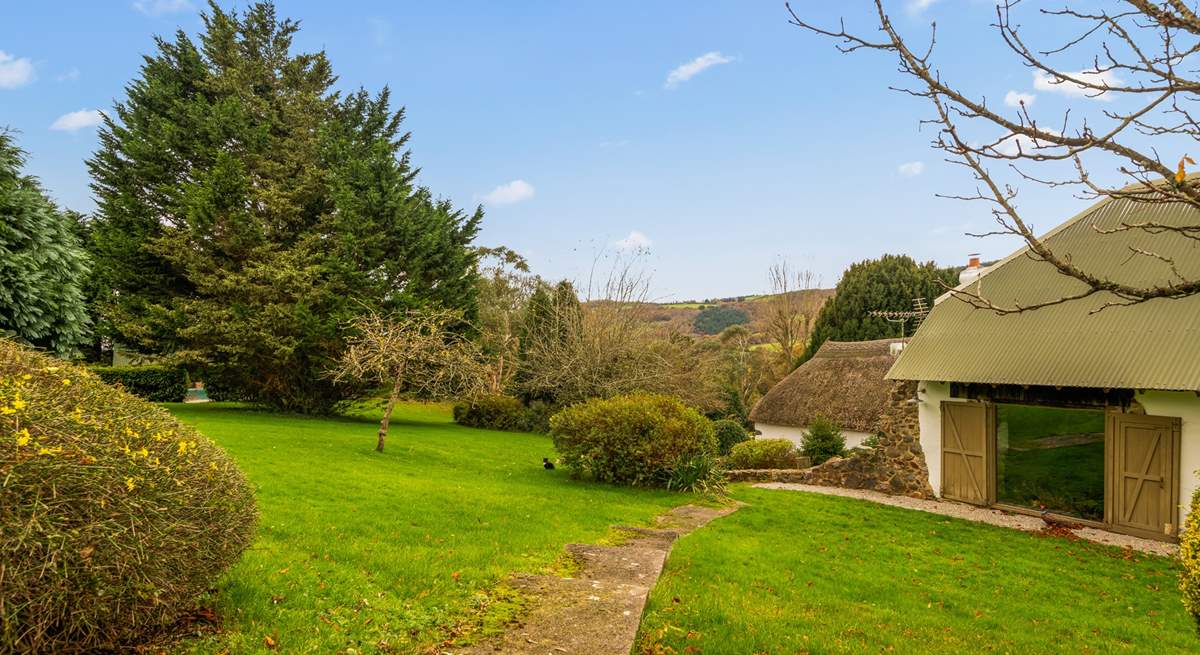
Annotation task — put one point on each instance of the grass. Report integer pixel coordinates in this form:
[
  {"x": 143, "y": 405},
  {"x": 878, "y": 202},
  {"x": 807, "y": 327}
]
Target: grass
[
  {"x": 1067, "y": 478},
  {"x": 803, "y": 573},
  {"x": 387, "y": 552}
]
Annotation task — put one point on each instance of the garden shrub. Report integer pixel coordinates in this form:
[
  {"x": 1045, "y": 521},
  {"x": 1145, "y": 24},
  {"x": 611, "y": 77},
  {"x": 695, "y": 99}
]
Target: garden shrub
[
  {"x": 159, "y": 384},
  {"x": 1189, "y": 557},
  {"x": 702, "y": 474},
  {"x": 637, "y": 439},
  {"x": 505, "y": 413},
  {"x": 729, "y": 434},
  {"x": 492, "y": 413},
  {"x": 764, "y": 454},
  {"x": 114, "y": 517},
  {"x": 823, "y": 440}
]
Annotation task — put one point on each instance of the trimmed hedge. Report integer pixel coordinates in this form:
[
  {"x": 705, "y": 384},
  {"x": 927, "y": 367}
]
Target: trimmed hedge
[
  {"x": 729, "y": 434},
  {"x": 1189, "y": 557},
  {"x": 764, "y": 454},
  {"x": 159, "y": 384},
  {"x": 638, "y": 439},
  {"x": 114, "y": 516},
  {"x": 505, "y": 413}
]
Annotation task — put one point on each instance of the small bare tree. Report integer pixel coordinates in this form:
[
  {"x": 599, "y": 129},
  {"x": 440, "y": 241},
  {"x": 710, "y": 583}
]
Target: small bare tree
[
  {"x": 793, "y": 308},
  {"x": 1142, "y": 56},
  {"x": 608, "y": 346},
  {"x": 420, "y": 352}
]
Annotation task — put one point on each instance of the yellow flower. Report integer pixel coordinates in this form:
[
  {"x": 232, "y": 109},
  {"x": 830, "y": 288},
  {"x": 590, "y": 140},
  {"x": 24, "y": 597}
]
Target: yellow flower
[
  {"x": 7, "y": 410},
  {"x": 143, "y": 453},
  {"x": 66, "y": 382},
  {"x": 23, "y": 437},
  {"x": 129, "y": 484},
  {"x": 19, "y": 404},
  {"x": 50, "y": 451}
]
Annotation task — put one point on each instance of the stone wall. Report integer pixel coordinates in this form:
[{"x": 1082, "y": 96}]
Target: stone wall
[{"x": 896, "y": 465}]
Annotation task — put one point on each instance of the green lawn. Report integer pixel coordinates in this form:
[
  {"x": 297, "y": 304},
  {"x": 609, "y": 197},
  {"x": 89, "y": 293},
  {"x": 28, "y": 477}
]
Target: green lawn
[
  {"x": 356, "y": 548},
  {"x": 803, "y": 573}
]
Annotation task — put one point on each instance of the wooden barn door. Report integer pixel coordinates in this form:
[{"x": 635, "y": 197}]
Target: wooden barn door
[
  {"x": 968, "y": 452},
  {"x": 1142, "y": 467}
]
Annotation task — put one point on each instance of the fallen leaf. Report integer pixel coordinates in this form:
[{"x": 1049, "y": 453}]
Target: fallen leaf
[{"x": 269, "y": 642}]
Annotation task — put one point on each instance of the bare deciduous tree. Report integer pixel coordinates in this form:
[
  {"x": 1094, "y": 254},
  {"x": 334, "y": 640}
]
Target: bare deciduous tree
[
  {"x": 418, "y": 352},
  {"x": 793, "y": 308},
  {"x": 609, "y": 346},
  {"x": 1143, "y": 57},
  {"x": 504, "y": 288}
]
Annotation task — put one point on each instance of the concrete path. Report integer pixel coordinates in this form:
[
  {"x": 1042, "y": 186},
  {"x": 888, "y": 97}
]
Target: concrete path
[
  {"x": 598, "y": 611},
  {"x": 983, "y": 515}
]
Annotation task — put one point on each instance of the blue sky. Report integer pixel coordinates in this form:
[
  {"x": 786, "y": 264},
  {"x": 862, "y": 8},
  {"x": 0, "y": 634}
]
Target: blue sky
[{"x": 566, "y": 121}]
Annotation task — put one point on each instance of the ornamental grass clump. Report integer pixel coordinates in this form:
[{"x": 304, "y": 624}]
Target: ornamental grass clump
[{"x": 114, "y": 517}]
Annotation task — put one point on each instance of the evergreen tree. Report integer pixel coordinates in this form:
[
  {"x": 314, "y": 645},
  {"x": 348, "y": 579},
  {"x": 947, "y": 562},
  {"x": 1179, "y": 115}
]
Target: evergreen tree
[
  {"x": 247, "y": 212},
  {"x": 888, "y": 283},
  {"x": 42, "y": 266}
]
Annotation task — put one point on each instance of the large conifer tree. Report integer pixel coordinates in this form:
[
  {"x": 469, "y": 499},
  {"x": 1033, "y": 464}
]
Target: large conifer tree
[
  {"x": 42, "y": 266},
  {"x": 247, "y": 212}
]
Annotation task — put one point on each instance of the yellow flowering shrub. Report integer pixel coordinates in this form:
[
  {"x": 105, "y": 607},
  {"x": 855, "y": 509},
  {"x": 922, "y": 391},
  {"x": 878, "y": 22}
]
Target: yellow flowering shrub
[
  {"x": 114, "y": 517},
  {"x": 1189, "y": 556}
]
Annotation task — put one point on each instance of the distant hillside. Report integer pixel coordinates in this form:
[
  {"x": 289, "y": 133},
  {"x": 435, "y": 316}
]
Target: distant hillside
[{"x": 680, "y": 316}]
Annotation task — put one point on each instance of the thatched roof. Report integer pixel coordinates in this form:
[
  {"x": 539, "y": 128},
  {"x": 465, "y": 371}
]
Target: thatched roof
[{"x": 843, "y": 381}]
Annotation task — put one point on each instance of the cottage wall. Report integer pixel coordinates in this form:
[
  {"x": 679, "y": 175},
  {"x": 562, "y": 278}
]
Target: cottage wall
[
  {"x": 854, "y": 439},
  {"x": 1185, "y": 405}
]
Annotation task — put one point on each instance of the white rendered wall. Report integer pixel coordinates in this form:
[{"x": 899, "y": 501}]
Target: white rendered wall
[
  {"x": 1186, "y": 406},
  {"x": 930, "y": 396},
  {"x": 853, "y": 438}
]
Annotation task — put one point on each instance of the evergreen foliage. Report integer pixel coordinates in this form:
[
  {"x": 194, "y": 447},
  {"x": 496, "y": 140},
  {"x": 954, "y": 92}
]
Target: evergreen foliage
[
  {"x": 247, "y": 213},
  {"x": 42, "y": 265},
  {"x": 822, "y": 440},
  {"x": 888, "y": 283},
  {"x": 714, "y": 320}
]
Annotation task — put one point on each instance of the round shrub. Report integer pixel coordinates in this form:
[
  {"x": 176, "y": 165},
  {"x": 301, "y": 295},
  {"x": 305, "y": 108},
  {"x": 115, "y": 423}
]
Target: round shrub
[
  {"x": 764, "y": 454},
  {"x": 114, "y": 517},
  {"x": 823, "y": 440},
  {"x": 492, "y": 413},
  {"x": 638, "y": 439},
  {"x": 729, "y": 434},
  {"x": 1189, "y": 557}
]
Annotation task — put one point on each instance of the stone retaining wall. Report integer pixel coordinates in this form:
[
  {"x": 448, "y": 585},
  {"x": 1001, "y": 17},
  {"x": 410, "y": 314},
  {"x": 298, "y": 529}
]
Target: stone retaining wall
[{"x": 896, "y": 465}]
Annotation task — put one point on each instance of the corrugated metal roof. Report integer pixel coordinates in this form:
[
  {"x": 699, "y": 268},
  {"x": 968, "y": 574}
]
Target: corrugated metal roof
[{"x": 1151, "y": 345}]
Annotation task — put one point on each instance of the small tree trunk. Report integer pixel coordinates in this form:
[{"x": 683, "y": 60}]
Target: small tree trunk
[{"x": 387, "y": 416}]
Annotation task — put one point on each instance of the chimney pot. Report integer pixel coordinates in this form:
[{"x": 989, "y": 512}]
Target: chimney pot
[{"x": 973, "y": 260}]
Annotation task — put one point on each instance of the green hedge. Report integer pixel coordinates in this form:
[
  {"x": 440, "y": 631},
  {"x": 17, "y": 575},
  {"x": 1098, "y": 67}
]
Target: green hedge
[
  {"x": 160, "y": 384},
  {"x": 729, "y": 434},
  {"x": 1189, "y": 557},
  {"x": 764, "y": 454},
  {"x": 505, "y": 413}
]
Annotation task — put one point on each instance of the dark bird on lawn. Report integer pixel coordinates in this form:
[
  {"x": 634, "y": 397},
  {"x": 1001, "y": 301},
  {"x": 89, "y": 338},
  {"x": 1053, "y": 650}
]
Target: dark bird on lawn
[{"x": 547, "y": 464}]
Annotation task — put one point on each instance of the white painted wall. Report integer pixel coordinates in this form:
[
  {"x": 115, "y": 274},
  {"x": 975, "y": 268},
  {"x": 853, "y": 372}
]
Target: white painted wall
[
  {"x": 1185, "y": 405},
  {"x": 929, "y": 411},
  {"x": 854, "y": 438}
]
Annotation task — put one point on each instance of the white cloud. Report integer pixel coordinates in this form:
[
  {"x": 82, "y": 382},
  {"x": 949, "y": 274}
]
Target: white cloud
[
  {"x": 917, "y": 6},
  {"x": 1014, "y": 99},
  {"x": 1015, "y": 143},
  {"x": 77, "y": 120},
  {"x": 506, "y": 194},
  {"x": 381, "y": 31},
  {"x": 1043, "y": 82},
  {"x": 694, "y": 67},
  {"x": 635, "y": 241},
  {"x": 14, "y": 71},
  {"x": 160, "y": 7},
  {"x": 911, "y": 169},
  {"x": 69, "y": 76}
]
